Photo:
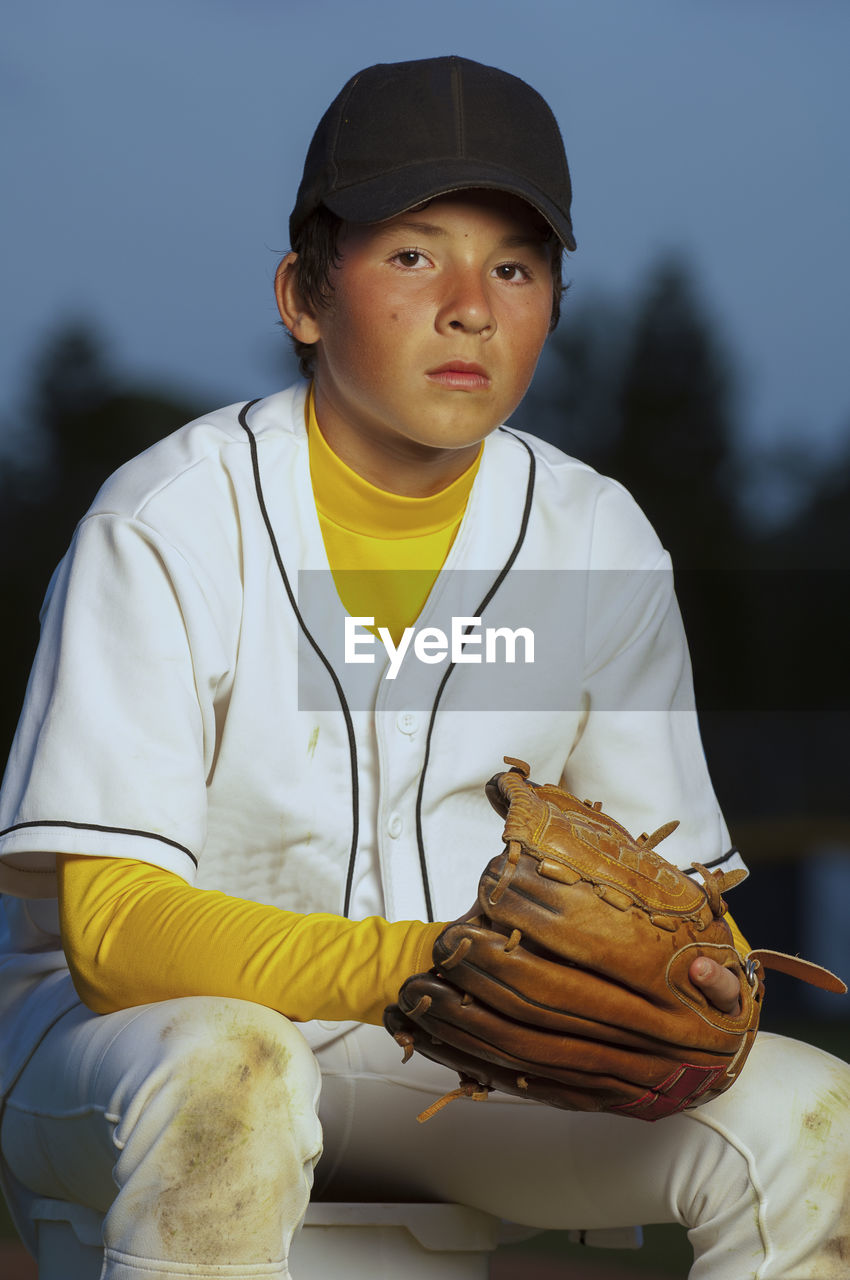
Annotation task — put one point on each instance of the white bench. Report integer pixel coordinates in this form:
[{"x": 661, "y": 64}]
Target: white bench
[{"x": 358, "y": 1241}]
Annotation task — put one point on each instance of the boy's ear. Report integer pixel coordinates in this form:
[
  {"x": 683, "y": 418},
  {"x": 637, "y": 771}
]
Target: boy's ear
[{"x": 296, "y": 314}]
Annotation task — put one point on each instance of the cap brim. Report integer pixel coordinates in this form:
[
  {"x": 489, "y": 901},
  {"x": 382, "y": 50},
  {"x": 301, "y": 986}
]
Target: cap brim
[{"x": 389, "y": 194}]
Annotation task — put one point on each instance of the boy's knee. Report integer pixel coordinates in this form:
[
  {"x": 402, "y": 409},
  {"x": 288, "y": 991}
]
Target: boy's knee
[
  {"x": 230, "y": 1076},
  {"x": 217, "y": 1148},
  {"x": 240, "y": 1051}
]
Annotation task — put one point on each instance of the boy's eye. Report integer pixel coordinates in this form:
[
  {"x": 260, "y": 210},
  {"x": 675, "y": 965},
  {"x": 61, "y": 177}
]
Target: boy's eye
[
  {"x": 411, "y": 258},
  {"x": 511, "y": 271}
]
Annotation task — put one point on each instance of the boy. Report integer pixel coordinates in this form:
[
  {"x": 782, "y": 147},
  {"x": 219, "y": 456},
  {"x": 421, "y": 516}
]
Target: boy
[{"x": 249, "y": 835}]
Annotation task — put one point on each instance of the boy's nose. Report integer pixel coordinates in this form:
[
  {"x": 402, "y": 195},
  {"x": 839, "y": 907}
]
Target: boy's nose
[{"x": 466, "y": 306}]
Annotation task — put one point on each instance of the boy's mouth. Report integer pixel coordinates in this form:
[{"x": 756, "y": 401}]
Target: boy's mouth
[{"x": 460, "y": 375}]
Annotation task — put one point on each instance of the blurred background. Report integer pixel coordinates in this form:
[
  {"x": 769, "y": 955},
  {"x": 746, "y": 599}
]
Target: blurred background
[{"x": 150, "y": 155}]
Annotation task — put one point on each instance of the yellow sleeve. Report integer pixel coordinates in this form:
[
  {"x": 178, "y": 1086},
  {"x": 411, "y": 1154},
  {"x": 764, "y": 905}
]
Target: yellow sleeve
[
  {"x": 741, "y": 945},
  {"x": 134, "y": 934}
]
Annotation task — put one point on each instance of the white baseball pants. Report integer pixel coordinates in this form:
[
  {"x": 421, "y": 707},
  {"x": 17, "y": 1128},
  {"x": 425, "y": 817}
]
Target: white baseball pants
[{"x": 192, "y": 1124}]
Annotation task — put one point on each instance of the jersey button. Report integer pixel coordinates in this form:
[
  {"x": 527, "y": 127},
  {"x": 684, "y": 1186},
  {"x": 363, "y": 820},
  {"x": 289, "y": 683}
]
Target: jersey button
[
  {"x": 395, "y": 825},
  {"x": 408, "y": 723}
]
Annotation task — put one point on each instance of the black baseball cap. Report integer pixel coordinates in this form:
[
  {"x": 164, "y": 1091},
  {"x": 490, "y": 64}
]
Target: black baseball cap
[{"x": 400, "y": 133}]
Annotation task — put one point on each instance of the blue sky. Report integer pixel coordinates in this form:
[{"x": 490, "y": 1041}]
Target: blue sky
[{"x": 151, "y": 150}]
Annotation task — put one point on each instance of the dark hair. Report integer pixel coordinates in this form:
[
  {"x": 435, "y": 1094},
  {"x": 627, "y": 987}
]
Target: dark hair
[{"x": 317, "y": 247}]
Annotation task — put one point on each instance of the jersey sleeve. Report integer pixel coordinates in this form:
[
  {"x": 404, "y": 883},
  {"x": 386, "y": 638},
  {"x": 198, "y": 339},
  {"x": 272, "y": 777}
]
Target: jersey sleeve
[
  {"x": 134, "y": 934},
  {"x": 639, "y": 749},
  {"x": 117, "y": 736}
]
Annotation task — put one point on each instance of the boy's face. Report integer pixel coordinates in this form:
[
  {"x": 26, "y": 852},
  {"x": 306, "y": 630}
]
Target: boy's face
[{"x": 436, "y": 322}]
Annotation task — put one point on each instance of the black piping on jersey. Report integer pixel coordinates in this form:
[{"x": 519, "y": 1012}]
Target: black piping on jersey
[
  {"x": 94, "y": 826},
  {"x": 503, "y": 573},
  {"x": 715, "y": 862},
  {"x": 349, "y": 723}
]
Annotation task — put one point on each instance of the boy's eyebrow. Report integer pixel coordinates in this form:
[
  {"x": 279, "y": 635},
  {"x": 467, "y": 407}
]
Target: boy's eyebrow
[
  {"x": 424, "y": 228},
  {"x": 515, "y": 240},
  {"x": 523, "y": 239}
]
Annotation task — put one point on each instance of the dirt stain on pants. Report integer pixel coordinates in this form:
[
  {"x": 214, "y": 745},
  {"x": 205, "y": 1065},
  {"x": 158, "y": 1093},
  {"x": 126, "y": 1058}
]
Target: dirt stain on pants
[{"x": 230, "y": 1163}]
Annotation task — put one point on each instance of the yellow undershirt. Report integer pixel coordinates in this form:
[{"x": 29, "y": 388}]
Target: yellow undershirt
[
  {"x": 384, "y": 549},
  {"x": 134, "y": 933}
]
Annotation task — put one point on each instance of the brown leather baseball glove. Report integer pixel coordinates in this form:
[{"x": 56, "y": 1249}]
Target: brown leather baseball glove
[{"x": 568, "y": 981}]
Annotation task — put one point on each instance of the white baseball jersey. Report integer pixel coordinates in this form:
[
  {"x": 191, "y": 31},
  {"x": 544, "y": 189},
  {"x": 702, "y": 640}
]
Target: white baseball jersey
[{"x": 193, "y": 703}]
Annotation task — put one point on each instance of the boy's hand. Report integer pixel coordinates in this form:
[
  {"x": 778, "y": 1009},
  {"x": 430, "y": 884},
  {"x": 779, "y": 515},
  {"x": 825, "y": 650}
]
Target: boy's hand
[{"x": 717, "y": 984}]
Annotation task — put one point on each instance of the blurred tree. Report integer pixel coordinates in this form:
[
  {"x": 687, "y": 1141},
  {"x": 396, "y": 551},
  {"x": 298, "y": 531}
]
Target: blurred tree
[
  {"x": 817, "y": 535},
  {"x": 675, "y": 450},
  {"x": 573, "y": 401},
  {"x": 72, "y": 377},
  {"x": 801, "y": 610},
  {"x": 83, "y": 421}
]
